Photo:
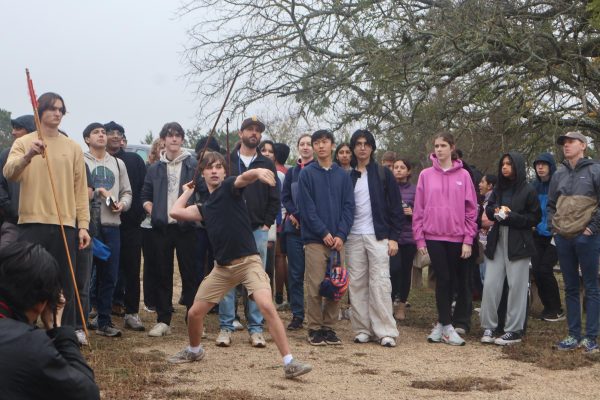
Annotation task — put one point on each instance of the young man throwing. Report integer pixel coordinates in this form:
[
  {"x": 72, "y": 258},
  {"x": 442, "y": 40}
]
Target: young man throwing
[{"x": 237, "y": 257}]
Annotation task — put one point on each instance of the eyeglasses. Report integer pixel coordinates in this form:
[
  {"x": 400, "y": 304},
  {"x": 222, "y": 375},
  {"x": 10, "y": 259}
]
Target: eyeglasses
[
  {"x": 362, "y": 144},
  {"x": 114, "y": 133}
]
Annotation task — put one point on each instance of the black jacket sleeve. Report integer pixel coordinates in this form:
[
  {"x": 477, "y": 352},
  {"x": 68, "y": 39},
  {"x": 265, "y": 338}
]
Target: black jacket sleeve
[
  {"x": 65, "y": 369},
  {"x": 274, "y": 203},
  {"x": 4, "y": 196},
  {"x": 531, "y": 214},
  {"x": 286, "y": 194},
  {"x": 394, "y": 202}
]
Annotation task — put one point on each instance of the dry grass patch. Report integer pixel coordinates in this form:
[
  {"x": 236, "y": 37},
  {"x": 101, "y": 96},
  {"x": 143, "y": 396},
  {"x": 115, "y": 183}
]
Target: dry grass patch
[
  {"x": 465, "y": 384},
  {"x": 367, "y": 371},
  {"x": 230, "y": 394}
]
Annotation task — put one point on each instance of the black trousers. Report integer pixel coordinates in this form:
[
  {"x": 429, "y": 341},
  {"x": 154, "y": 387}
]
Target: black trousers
[
  {"x": 542, "y": 264},
  {"x": 401, "y": 271},
  {"x": 130, "y": 263},
  {"x": 445, "y": 261},
  {"x": 463, "y": 310},
  {"x": 50, "y": 238},
  {"x": 168, "y": 242},
  {"x": 149, "y": 252}
]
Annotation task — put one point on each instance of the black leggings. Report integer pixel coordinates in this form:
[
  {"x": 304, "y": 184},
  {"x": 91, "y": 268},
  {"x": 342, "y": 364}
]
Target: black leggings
[
  {"x": 401, "y": 271},
  {"x": 445, "y": 260}
]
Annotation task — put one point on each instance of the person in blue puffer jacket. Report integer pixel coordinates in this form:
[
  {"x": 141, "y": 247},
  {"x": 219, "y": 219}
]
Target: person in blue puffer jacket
[{"x": 545, "y": 259}]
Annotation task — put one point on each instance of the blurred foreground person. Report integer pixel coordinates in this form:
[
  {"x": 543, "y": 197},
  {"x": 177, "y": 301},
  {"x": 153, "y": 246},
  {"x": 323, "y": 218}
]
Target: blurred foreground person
[{"x": 37, "y": 363}]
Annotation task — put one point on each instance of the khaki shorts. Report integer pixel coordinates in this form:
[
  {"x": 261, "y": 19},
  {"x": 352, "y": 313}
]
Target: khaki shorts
[{"x": 246, "y": 270}]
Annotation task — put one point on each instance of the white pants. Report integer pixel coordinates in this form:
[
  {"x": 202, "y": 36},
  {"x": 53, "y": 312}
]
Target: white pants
[{"x": 368, "y": 265}]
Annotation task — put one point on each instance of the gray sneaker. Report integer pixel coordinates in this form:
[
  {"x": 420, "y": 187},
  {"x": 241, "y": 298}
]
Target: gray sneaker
[
  {"x": 296, "y": 368},
  {"x": 133, "y": 322},
  {"x": 186, "y": 356},
  {"x": 108, "y": 331}
]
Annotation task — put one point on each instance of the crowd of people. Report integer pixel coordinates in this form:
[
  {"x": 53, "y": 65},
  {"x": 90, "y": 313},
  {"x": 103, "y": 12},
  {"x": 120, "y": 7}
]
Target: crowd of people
[{"x": 231, "y": 218}]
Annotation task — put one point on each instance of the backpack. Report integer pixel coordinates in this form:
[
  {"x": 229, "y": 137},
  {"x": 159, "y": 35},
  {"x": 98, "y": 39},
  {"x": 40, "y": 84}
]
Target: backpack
[{"x": 336, "y": 280}]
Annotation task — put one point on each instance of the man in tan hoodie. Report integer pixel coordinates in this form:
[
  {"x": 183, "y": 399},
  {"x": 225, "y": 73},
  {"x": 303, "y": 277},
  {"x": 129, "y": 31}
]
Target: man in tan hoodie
[{"x": 38, "y": 218}]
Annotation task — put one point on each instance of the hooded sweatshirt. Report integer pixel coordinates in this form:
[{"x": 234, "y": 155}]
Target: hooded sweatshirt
[
  {"x": 109, "y": 173},
  {"x": 445, "y": 205},
  {"x": 524, "y": 214},
  {"x": 173, "y": 174},
  {"x": 542, "y": 192}
]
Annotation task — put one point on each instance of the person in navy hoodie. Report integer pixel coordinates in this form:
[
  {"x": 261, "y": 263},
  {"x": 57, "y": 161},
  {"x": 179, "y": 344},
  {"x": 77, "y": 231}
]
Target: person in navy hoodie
[
  {"x": 545, "y": 259},
  {"x": 401, "y": 264},
  {"x": 326, "y": 204}
]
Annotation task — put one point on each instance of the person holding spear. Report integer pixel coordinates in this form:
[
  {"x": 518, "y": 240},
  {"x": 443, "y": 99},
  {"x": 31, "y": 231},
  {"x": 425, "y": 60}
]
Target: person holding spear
[{"x": 40, "y": 221}]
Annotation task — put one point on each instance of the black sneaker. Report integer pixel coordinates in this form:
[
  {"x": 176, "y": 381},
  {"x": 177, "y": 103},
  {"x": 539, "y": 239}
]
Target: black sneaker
[
  {"x": 331, "y": 337},
  {"x": 315, "y": 337},
  {"x": 508, "y": 338},
  {"x": 553, "y": 316},
  {"x": 295, "y": 324}
]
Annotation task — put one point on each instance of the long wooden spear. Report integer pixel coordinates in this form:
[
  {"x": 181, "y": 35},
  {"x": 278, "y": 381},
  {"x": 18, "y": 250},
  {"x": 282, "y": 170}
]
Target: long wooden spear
[
  {"x": 38, "y": 127},
  {"x": 212, "y": 132}
]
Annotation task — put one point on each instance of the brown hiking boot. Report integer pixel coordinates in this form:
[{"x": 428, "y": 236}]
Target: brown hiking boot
[{"x": 400, "y": 311}]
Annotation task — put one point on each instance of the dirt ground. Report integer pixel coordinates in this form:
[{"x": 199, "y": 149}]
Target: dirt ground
[{"x": 134, "y": 366}]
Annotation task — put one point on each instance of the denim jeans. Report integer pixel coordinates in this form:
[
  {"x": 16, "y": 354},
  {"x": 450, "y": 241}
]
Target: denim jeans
[
  {"x": 295, "y": 255},
  {"x": 580, "y": 252},
  {"x": 107, "y": 273},
  {"x": 227, "y": 305},
  {"x": 83, "y": 272}
]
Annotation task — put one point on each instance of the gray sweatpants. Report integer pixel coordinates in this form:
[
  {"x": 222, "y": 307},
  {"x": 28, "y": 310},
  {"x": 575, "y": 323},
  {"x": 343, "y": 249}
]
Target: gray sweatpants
[{"x": 517, "y": 274}]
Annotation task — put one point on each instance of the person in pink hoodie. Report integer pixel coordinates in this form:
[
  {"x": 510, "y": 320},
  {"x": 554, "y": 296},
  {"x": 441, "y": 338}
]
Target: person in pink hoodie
[{"x": 444, "y": 225}]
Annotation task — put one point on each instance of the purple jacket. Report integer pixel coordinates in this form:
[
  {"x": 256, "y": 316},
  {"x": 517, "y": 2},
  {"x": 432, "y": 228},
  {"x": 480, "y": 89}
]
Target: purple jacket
[
  {"x": 407, "y": 192},
  {"x": 445, "y": 205}
]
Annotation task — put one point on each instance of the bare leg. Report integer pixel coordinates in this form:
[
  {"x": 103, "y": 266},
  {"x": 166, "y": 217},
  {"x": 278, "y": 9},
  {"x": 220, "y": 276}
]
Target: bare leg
[
  {"x": 196, "y": 316},
  {"x": 263, "y": 300}
]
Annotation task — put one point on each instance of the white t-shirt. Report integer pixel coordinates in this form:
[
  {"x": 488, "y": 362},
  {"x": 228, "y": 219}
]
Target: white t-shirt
[
  {"x": 363, "y": 216},
  {"x": 247, "y": 160}
]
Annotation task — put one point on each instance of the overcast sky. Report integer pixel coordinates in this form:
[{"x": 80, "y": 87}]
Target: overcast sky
[{"x": 110, "y": 60}]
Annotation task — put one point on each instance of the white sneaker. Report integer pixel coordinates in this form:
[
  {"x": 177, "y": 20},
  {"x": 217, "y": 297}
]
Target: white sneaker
[
  {"x": 449, "y": 336},
  {"x": 133, "y": 322},
  {"x": 237, "y": 325},
  {"x": 362, "y": 338},
  {"x": 160, "y": 329},
  {"x": 257, "y": 340},
  {"x": 81, "y": 338},
  {"x": 436, "y": 334},
  {"x": 347, "y": 313},
  {"x": 224, "y": 338},
  {"x": 388, "y": 342},
  {"x": 488, "y": 337},
  {"x": 461, "y": 331}
]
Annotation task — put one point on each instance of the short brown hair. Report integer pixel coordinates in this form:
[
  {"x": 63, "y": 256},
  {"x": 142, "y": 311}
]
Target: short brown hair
[
  {"x": 211, "y": 157},
  {"x": 389, "y": 156}
]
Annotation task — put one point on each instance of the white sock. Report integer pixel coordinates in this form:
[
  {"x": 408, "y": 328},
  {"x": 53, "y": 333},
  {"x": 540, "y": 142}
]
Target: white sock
[
  {"x": 195, "y": 349},
  {"x": 287, "y": 359},
  {"x": 447, "y": 327}
]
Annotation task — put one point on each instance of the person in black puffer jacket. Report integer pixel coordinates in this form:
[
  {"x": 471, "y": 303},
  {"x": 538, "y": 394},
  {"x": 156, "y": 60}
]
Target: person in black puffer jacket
[{"x": 515, "y": 206}]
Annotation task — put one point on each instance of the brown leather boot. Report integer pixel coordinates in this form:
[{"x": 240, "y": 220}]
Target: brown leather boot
[{"x": 400, "y": 311}]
